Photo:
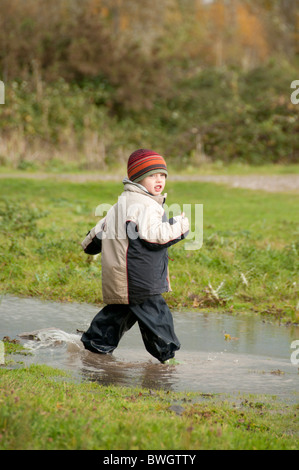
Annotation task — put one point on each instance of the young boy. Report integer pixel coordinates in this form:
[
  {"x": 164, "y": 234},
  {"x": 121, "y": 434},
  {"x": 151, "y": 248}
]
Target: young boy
[{"x": 133, "y": 239}]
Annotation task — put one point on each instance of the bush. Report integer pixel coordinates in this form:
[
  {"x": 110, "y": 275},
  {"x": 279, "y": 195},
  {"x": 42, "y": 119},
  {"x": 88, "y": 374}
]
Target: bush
[{"x": 220, "y": 115}]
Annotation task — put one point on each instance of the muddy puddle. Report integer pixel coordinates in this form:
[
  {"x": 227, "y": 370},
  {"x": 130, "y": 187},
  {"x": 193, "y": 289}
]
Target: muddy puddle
[{"x": 219, "y": 353}]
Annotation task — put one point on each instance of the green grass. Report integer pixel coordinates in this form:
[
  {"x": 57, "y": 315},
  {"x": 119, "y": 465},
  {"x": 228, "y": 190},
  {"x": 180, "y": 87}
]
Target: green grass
[
  {"x": 250, "y": 246},
  {"x": 42, "y": 409}
]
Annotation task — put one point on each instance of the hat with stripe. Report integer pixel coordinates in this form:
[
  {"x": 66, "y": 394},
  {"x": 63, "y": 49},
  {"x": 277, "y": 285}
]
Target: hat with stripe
[{"x": 143, "y": 163}]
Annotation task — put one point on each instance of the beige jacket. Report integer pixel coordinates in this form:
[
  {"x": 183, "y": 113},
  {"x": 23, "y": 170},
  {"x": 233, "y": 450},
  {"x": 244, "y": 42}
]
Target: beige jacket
[{"x": 133, "y": 239}]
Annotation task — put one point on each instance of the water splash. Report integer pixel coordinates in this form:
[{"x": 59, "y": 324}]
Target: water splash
[{"x": 51, "y": 338}]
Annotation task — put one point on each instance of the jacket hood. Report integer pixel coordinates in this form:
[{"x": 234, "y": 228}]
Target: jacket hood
[{"x": 136, "y": 187}]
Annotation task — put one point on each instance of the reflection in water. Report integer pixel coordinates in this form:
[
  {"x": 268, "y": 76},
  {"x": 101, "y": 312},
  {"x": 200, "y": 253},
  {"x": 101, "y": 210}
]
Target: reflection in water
[
  {"x": 109, "y": 370},
  {"x": 257, "y": 362},
  {"x": 148, "y": 374}
]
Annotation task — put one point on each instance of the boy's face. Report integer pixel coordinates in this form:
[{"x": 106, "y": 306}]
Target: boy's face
[{"x": 155, "y": 183}]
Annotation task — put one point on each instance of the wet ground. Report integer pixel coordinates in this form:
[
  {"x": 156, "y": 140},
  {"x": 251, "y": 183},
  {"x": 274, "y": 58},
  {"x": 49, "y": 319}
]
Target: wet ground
[{"x": 220, "y": 353}]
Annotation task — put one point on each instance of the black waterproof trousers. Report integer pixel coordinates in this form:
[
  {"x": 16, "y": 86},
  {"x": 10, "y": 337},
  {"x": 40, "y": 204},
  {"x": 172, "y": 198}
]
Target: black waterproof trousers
[{"x": 155, "y": 323}]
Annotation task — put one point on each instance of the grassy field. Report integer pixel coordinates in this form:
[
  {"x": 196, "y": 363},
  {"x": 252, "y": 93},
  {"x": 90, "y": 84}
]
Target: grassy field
[
  {"x": 42, "y": 409},
  {"x": 248, "y": 261}
]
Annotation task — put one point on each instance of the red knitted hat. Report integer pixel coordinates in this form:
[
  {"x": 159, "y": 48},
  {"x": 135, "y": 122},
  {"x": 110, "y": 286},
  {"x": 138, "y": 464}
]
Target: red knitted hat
[{"x": 143, "y": 163}]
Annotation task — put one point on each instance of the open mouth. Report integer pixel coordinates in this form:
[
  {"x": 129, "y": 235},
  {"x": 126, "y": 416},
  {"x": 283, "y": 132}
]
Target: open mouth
[{"x": 158, "y": 188}]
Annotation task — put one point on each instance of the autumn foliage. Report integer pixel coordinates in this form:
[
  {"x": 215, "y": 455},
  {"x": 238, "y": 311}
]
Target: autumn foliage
[
  {"x": 149, "y": 64},
  {"x": 116, "y": 38}
]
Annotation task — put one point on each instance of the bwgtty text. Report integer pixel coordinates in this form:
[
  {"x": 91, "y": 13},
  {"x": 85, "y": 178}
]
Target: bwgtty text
[{"x": 150, "y": 459}]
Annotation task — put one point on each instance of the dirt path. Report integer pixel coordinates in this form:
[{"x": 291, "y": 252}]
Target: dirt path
[{"x": 270, "y": 183}]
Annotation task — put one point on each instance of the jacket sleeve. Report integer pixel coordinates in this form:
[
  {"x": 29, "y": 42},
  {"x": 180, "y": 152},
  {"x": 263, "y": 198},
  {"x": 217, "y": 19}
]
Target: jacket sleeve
[
  {"x": 92, "y": 243},
  {"x": 156, "y": 233}
]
